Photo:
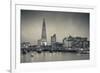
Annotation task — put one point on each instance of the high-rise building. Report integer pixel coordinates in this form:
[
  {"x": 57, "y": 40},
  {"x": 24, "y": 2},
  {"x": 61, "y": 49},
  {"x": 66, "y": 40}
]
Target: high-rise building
[
  {"x": 75, "y": 42},
  {"x": 44, "y": 35},
  {"x": 53, "y": 39},
  {"x": 67, "y": 42}
]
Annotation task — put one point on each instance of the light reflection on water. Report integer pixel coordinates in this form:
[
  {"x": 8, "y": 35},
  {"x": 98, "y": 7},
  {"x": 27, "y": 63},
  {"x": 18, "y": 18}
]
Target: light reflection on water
[{"x": 55, "y": 56}]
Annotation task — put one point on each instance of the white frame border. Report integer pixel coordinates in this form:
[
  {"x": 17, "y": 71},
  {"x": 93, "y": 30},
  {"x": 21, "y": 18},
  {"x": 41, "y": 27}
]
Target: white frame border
[{"x": 70, "y": 64}]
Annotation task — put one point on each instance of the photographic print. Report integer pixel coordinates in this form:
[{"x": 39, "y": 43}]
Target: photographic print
[{"x": 54, "y": 36}]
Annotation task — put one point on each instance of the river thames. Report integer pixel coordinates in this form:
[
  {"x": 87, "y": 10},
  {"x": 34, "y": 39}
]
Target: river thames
[{"x": 54, "y": 56}]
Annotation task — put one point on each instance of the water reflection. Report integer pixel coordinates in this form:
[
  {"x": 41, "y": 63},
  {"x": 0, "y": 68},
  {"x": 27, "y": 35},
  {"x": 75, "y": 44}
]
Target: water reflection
[{"x": 55, "y": 56}]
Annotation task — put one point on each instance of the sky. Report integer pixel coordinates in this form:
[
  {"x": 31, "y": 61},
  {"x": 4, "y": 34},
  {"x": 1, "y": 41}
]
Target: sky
[{"x": 62, "y": 24}]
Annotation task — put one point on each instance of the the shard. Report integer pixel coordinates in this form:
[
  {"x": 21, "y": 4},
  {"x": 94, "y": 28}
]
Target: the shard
[{"x": 44, "y": 35}]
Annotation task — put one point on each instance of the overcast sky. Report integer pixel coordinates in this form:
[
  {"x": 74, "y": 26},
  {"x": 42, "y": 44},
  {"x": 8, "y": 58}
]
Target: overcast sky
[{"x": 62, "y": 24}]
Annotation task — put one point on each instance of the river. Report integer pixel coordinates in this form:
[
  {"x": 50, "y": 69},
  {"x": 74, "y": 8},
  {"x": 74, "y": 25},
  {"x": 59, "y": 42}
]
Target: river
[{"x": 55, "y": 56}]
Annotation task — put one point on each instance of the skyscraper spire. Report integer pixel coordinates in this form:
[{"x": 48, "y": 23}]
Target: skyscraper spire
[{"x": 43, "y": 36}]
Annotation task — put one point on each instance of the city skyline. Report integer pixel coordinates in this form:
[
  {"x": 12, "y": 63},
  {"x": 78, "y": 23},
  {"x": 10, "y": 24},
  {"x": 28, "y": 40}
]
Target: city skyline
[{"x": 62, "y": 24}]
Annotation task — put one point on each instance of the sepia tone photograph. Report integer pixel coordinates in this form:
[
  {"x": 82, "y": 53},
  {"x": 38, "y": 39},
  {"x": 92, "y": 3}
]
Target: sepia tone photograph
[{"x": 48, "y": 36}]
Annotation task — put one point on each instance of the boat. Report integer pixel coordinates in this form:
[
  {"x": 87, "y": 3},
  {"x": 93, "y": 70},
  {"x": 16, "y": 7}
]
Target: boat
[{"x": 32, "y": 55}]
